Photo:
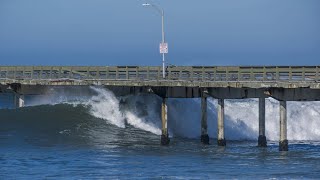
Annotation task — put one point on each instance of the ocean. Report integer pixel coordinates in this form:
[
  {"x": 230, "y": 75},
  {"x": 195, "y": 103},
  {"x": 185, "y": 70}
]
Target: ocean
[{"x": 91, "y": 134}]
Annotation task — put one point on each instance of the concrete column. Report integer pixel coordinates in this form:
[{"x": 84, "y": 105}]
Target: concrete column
[
  {"x": 204, "y": 126},
  {"x": 283, "y": 143},
  {"x": 164, "y": 117},
  {"x": 18, "y": 101},
  {"x": 221, "y": 139},
  {"x": 262, "y": 140}
]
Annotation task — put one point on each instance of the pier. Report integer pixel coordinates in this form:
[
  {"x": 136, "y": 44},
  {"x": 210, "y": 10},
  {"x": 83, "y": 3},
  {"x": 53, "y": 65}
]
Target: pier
[{"x": 283, "y": 83}]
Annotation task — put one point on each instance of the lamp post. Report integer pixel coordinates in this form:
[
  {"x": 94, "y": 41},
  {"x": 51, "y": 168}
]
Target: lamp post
[{"x": 163, "y": 45}]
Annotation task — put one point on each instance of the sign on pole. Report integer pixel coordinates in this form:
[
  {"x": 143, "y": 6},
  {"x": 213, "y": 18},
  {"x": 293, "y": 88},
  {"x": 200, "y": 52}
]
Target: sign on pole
[{"x": 163, "y": 48}]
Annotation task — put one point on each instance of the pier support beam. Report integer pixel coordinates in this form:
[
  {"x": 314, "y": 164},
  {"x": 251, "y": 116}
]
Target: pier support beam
[
  {"x": 221, "y": 139},
  {"x": 204, "y": 126},
  {"x": 165, "y": 140},
  {"x": 262, "y": 140},
  {"x": 283, "y": 143},
  {"x": 18, "y": 101}
]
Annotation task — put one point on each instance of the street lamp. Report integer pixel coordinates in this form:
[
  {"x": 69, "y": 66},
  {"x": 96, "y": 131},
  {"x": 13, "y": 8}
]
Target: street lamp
[{"x": 163, "y": 44}]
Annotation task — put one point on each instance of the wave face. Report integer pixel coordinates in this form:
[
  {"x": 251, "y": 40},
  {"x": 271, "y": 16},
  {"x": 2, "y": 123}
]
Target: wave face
[{"x": 86, "y": 111}]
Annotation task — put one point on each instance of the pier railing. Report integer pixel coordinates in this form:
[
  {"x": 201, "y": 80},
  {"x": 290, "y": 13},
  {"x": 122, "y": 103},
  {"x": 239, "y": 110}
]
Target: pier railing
[{"x": 173, "y": 73}]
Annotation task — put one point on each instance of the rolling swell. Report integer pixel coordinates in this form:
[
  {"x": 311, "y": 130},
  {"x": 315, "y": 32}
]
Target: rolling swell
[{"x": 63, "y": 124}]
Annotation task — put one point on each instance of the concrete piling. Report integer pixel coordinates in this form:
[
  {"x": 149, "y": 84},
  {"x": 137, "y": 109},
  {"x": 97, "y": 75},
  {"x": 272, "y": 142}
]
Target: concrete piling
[
  {"x": 283, "y": 143},
  {"x": 221, "y": 139},
  {"x": 262, "y": 140},
  {"x": 204, "y": 126},
  {"x": 165, "y": 140},
  {"x": 18, "y": 101}
]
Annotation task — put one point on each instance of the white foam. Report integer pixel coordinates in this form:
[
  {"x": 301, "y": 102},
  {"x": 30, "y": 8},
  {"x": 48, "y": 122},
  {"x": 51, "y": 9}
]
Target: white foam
[
  {"x": 106, "y": 106},
  {"x": 241, "y": 119},
  {"x": 241, "y": 116}
]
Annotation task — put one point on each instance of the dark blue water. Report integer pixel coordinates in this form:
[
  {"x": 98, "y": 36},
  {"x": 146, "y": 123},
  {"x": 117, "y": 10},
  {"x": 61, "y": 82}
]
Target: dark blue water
[{"x": 65, "y": 142}]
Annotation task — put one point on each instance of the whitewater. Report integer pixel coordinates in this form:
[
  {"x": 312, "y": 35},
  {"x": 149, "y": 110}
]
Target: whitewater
[{"x": 142, "y": 111}]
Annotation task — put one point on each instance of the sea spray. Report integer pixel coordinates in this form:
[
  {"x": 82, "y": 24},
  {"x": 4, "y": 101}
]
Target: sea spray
[
  {"x": 143, "y": 111},
  {"x": 105, "y": 105},
  {"x": 242, "y": 119}
]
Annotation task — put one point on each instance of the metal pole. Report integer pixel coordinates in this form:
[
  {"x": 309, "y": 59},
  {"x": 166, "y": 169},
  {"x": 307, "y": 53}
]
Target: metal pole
[
  {"x": 161, "y": 12},
  {"x": 163, "y": 40}
]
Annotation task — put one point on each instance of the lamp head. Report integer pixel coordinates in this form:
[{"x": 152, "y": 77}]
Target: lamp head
[{"x": 146, "y": 4}]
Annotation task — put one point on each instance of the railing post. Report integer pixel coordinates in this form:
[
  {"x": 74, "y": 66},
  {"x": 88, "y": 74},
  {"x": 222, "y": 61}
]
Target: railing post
[
  {"x": 40, "y": 72},
  {"x": 290, "y": 73},
  {"x": 32, "y": 69},
  {"x": 239, "y": 74},
  {"x": 23, "y": 72},
  {"x": 137, "y": 73},
  {"x": 251, "y": 74},
  {"x": 264, "y": 74},
  {"x": 191, "y": 74},
  {"x": 277, "y": 74},
  {"x": 98, "y": 73},
  {"x": 51, "y": 72},
  {"x": 127, "y": 73},
  {"x": 70, "y": 73},
  {"x": 14, "y": 73},
  {"x": 303, "y": 74},
  {"x": 60, "y": 71},
  {"x": 317, "y": 73},
  {"x": 227, "y": 74},
  {"x": 117, "y": 72},
  {"x": 148, "y": 73},
  {"x": 203, "y": 74},
  {"x": 107, "y": 72},
  {"x": 88, "y": 73}
]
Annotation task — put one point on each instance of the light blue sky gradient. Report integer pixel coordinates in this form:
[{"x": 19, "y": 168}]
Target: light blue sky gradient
[{"x": 122, "y": 32}]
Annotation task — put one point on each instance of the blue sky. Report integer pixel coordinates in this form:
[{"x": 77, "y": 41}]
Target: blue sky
[{"x": 122, "y": 32}]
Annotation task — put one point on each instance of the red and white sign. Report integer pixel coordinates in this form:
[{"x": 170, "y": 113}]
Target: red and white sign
[{"x": 163, "y": 48}]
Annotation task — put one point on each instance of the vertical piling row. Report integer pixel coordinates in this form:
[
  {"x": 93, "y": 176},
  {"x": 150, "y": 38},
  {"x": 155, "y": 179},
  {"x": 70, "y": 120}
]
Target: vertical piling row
[
  {"x": 221, "y": 139},
  {"x": 204, "y": 126},
  {"x": 283, "y": 142},
  {"x": 262, "y": 140},
  {"x": 165, "y": 140}
]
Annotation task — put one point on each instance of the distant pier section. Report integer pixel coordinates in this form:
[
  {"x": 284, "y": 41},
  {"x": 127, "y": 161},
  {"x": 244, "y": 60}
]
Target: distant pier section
[{"x": 284, "y": 83}]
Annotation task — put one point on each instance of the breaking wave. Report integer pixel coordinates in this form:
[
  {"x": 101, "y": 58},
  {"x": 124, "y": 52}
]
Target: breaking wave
[{"x": 142, "y": 112}]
